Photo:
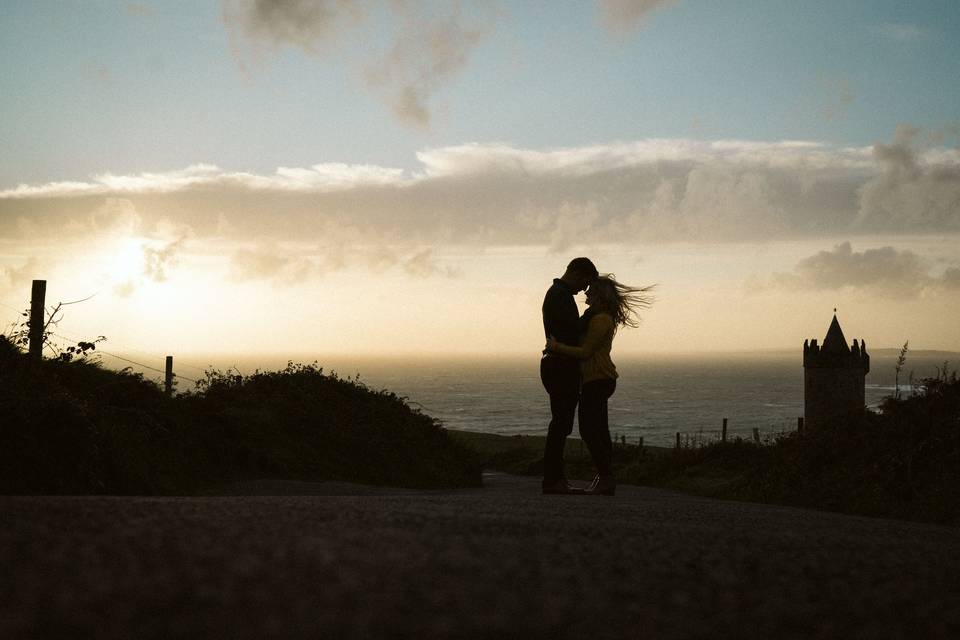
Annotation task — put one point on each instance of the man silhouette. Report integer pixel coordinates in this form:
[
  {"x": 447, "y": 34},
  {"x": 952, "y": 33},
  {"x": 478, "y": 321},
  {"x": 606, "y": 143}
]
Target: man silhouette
[{"x": 560, "y": 374}]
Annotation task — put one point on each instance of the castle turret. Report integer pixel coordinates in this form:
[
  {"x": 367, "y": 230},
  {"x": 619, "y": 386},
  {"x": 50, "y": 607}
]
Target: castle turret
[{"x": 834, "y": 378}]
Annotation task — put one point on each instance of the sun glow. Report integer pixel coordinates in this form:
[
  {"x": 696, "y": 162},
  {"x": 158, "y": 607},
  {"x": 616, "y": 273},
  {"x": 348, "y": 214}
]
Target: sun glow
[{"x": 126, "y": 264}]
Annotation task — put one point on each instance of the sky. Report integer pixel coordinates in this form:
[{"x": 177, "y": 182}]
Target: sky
[{"x": 406, "y": 178}]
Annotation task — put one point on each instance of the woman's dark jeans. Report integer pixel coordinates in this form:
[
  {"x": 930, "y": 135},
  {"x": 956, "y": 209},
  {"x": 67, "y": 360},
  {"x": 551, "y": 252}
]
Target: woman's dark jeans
[{"x": 594, "y": 423}]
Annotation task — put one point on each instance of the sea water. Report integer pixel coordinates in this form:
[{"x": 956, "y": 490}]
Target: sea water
[{"x": 656, "y": 396}]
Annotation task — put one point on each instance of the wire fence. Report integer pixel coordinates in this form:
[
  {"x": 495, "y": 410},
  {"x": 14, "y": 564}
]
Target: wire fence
[
  {"x": 129, "y": 350},
  {"x": 69, "y": 336},
  {"x": 130, "y": 361},
  {"x": 700, "y": 438}
]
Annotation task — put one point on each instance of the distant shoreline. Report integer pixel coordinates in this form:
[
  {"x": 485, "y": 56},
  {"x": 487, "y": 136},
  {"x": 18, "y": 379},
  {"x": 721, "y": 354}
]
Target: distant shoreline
[{"x": 338, "y": 360}]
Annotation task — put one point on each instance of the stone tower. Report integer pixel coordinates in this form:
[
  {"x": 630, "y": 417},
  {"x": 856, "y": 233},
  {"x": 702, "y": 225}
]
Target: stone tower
[{"x": 833, "y": 378}]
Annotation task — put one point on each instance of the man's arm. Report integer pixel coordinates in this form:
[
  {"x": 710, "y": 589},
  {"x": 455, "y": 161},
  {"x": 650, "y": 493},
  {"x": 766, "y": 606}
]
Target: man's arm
[{"x": 600, "y": 325}]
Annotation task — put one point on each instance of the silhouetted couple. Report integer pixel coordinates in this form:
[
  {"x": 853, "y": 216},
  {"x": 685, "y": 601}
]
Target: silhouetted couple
[{"x": 576, "y": 369}]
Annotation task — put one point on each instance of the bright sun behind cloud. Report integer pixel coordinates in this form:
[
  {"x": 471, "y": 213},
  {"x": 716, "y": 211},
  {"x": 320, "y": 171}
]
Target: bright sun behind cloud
[{"x": 126, "y": 262}]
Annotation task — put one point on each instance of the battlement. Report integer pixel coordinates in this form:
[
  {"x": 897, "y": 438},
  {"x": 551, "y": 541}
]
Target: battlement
[{"x": 853, "y": 357}]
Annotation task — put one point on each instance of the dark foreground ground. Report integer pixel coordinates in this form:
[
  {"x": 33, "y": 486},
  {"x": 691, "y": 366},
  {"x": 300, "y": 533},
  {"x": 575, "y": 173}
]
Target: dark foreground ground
[{"x": 501, "y": 561}]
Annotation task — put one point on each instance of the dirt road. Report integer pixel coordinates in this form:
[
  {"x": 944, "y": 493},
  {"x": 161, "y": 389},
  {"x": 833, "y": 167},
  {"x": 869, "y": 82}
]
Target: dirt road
[{"x": 502, "y": 561}]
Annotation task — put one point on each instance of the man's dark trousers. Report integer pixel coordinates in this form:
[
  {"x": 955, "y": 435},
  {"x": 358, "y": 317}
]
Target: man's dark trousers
[{"x": 561, "y": 378}]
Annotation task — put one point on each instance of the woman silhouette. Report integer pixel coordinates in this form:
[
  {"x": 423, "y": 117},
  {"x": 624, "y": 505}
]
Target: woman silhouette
[{"x": 610, "y": 306}]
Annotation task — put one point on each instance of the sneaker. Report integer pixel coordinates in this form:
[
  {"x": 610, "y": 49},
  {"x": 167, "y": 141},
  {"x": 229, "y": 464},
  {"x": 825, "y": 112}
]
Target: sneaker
[
  {"x": 603, "y": 486},
  {"x": 561, "y": 487},
  {"x": 593, "y": 484}
]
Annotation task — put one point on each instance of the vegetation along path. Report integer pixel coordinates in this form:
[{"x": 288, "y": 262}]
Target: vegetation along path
[{"x": 338, "y": 560}]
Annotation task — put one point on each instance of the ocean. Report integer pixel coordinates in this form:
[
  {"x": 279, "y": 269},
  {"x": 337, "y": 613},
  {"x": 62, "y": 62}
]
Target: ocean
[{"x": 656, "y": 396}]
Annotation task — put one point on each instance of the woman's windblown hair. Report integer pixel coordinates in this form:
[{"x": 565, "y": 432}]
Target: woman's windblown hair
[{"x": 621, "y": 301}]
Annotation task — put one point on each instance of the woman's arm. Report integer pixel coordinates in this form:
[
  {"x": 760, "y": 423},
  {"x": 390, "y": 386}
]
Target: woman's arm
[{"x": 600, "y": 325}]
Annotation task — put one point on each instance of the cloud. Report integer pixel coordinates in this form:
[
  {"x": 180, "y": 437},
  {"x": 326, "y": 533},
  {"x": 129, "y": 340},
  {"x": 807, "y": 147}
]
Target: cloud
[
  {"x": 317, "y": 178},
  {"x": 125, "y": 289},
  {"x": 270, "y": 262},
  {"x": 116, "y": 215},
  {"x": 290, "y": 264},
  {"x": 624, "y": 16},
  {"x": 911, "y": 190},
  {"x": 885, "y": 271},
  {"x": 258, "y": 27},
  {"x": 106, "y": 215},
  {"x": 19, "y": 277},
  {"x": 157, "y": 260},
  {"x": 951, "y": 278},
  {"x": 560, "y": 227},
  {"x": 148, "y": 261},
  {"x": 423, "y": 264},
  {"x": 426, "y": 50},
  {"x": 404, "y": 51},
  {"x": 647, "y": 191}
]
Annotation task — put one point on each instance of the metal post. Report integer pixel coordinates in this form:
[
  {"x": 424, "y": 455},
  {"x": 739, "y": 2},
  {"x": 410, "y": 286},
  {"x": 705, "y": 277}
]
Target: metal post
[
  {"x": 168, "y": 376},
  {"x": 800, "y": 424},
  {"x": 723, "y": 434},
  {"x": 678, "y": 439},
  {"x": 38, "y": 294}
]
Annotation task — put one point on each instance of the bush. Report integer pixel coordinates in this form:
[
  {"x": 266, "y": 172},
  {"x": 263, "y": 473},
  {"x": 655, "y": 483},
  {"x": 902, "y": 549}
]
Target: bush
[
  {"x": 75, "y": 427},
  {"x": 902, "y": 462}
]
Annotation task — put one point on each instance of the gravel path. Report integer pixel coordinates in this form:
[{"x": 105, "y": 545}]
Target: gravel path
[{"x": 502, "y": 561}]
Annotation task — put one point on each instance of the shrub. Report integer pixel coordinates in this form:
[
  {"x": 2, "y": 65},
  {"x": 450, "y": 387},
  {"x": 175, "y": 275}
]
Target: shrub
[
  {"x": 75, "y": 427},
  {"x": 901, "y": 462}
]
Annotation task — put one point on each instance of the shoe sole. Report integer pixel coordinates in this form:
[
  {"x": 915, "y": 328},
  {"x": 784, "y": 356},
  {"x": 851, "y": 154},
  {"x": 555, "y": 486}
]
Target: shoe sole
[{"x": 605, "y": 492}]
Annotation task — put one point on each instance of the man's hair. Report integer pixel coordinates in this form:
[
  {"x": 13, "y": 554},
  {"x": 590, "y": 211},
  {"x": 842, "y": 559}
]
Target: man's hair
[{"x": 584, "y": 266}]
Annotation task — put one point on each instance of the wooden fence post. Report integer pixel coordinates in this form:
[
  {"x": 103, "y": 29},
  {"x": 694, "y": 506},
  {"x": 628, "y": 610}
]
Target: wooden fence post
[
  {"x": 38, "y": 294},
  {"x": 723, "y": 434},
  {"x": 640, "y": 443},
  {"x": 756, "y": 435},
  {"x": 678, "y": 439},
  {"x": 168, "y": 376},
  {"x": 800, "y": 424}
]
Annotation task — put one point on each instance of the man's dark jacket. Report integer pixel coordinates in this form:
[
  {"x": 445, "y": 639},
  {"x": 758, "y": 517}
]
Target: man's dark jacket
[{"x": 561, "y": 319}]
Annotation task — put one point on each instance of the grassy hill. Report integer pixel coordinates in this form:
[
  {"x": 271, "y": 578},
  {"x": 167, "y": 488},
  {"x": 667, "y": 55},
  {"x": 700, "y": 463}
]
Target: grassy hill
[
  {"x": 902, "y": 462},
  {"x": 76, "y": 427}
]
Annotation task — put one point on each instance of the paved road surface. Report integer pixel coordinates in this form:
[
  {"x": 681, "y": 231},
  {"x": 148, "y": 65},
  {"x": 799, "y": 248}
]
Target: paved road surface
[{"x": 501, "y": 561}]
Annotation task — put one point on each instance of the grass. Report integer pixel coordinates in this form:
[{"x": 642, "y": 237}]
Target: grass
[
  {"x": 523, "y": 454},
  {"x": 75, "y": 427},
  {"x": 903, "y": 462}
]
